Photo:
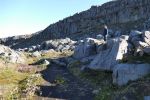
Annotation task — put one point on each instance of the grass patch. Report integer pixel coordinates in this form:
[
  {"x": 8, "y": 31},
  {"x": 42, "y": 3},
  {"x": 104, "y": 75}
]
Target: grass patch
[
  {"x": 12, "y": 82},
  {"x": 10, "y": 76},
  {"x": 46, "y": 55},
  {"x": 30, "y": 59},
  {"x": 97, "y": 77}
]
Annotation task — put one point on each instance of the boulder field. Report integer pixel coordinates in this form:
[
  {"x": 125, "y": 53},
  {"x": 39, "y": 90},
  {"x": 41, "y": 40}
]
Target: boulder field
[{"x": 110, "y": 55}]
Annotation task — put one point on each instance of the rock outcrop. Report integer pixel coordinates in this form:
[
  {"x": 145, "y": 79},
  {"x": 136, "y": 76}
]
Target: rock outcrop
[
  {"x": 58, "y": 44},
  {"x": 107, "y": 59},
  {"x": 10, "y": 55},
  {"x": 140, "y": 41},
  {"x": 87, "y": 47}
]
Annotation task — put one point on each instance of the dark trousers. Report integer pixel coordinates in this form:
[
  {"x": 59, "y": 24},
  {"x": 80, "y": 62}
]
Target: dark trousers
[{"x": 104, "y": 37}]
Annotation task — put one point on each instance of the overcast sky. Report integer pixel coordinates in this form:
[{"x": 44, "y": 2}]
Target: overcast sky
[{"x": 28, "y": 16}]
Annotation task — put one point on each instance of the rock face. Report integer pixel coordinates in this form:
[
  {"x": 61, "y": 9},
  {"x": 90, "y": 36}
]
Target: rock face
[
  {"x": 107, "y": 59},
  {"x": 86, "y": 48},
  {"x": 10, "y": 55},
  {"x": 123, "y": 11},
  {"x": 123, "y": 73},
  {"x": 112, "y": 13}
]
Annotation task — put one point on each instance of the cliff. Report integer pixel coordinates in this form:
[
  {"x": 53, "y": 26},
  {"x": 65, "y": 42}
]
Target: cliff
[{"x": 122, "y": 15}]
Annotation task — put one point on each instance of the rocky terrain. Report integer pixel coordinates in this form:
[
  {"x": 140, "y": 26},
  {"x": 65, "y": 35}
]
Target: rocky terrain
[{"x": 70, "y": 59}]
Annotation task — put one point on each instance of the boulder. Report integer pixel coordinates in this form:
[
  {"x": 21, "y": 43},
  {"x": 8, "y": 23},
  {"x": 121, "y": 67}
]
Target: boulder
[
  {"x": 135, "y": 35},
  {"x": 48, "y": 45},
  {"x": 147, "y": 50},
  {"x": 36, "y": 54},
  {"x": 10, "y": 55},
  {"x": 123, "y": 73},
  {"x": 59, "y": 48},
  {"x": 135, "y": 40},
  {"x": 110, "y": 57},
  {"x": 46, "y": 62},
  {"x": 146, "y": 97},
  {"x": 99, "y": 37},
  {"x": 58, "y": 44},
  {"x": 34, "y": 47},
  {"x": 65, "y": 41},
  {"x": 146, "y": 37},
  {"x": 86, "y": 48}
]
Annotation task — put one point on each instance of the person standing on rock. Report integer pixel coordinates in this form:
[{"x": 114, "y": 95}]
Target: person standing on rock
[{"x": 105, "y": 32}]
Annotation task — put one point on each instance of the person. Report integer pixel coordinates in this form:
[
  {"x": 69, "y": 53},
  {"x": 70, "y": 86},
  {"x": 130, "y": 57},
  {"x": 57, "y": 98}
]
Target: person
[{"x": 105, "y": 32}]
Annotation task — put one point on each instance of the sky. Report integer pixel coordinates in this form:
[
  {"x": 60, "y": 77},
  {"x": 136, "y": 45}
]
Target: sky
[{"x": 28, "y": 16}]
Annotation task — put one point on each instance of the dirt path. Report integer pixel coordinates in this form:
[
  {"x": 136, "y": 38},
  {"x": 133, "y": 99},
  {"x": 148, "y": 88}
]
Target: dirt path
[{"x": 71, "y": 88}]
